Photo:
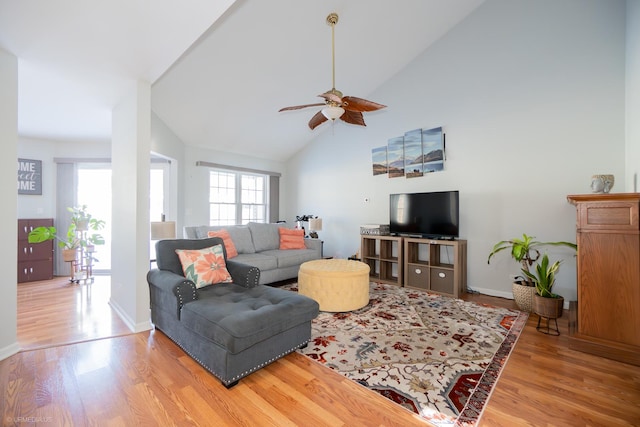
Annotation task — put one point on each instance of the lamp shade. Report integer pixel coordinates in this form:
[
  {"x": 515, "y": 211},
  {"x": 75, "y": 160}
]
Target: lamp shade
[
  {"x": 315, "y": 224},
  {"x": 163, "y": 230},
  {"x": 332, "y": 113}
]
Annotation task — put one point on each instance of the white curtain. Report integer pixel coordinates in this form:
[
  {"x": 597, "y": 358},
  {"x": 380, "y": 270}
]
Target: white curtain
[{"x": 66, "y": 190}]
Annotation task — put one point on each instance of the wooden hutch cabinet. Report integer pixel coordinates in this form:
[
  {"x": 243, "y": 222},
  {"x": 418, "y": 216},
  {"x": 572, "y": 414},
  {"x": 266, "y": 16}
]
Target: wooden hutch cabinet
[
  {"x": 606, "y": 318},
  {"x": 35, "y": 261}
]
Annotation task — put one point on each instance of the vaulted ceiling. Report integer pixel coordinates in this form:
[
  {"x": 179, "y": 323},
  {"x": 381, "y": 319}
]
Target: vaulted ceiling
[{"x": 220, "y": 70}]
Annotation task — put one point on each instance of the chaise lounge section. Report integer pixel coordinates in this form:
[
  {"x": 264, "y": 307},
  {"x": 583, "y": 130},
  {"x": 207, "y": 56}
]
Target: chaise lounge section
[{"x": 231, "y": 329}]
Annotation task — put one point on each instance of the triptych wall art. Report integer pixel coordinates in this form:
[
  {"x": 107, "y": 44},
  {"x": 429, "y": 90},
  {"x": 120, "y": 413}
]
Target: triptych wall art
[{"x": 418, "y": 152}]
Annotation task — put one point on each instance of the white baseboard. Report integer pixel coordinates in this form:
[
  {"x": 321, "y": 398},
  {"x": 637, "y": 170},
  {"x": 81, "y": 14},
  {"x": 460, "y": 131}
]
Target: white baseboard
[
  {"x": 9, "y": 351},
  {"x": 507, "y": 295},
  {"x": 144, "y": 326},
  {"x": 133, "y": 327},
  {"x": 492, "y": 292}
]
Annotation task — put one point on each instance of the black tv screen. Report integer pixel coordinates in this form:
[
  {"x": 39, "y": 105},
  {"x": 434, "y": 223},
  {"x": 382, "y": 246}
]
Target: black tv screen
[{"x": 433, "y": 215}]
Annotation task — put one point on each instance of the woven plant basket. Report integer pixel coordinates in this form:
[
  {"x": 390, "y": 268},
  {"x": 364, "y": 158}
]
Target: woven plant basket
[
  {"x": 69, "y": 255},
  {"x": 550, "y": 308},
  {"x": 523, "y": 296}
]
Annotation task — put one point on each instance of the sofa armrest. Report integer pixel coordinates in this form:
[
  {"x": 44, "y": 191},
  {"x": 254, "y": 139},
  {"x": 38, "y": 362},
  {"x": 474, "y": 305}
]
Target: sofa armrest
[
  {"x": 315, "y": 244},
  {"x": 170, "y": 290},
  {"x": 243, "y": 274}
]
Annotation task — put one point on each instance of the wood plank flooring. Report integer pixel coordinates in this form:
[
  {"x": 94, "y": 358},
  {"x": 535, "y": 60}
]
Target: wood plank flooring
[
  {"x": 54, "y": 312},
  {"x": 145, "y": 379}
]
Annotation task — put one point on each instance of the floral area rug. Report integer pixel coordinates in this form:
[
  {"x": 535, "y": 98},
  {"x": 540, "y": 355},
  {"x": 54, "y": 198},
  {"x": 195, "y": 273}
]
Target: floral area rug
[{"x": 436, "y": 356}]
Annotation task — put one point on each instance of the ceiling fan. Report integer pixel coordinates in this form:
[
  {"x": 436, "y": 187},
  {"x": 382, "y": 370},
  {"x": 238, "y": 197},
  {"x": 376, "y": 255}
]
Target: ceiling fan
[{"x": 348, "y": 108}]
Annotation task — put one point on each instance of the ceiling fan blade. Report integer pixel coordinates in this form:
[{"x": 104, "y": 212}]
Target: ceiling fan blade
[
  {"x": 353, "y": 103},
  {"x": 298, "y": 107},
  {"x": 331, "y": 97},
  {"x": 317, "y": 119},
  {"x": 353, "y": 117}
]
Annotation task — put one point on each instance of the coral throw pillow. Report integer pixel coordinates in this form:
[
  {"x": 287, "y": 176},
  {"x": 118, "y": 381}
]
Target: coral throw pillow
[
  {"x": 204, "y": 266},
  {"x": 228, "y": 243},
  {"x": 291, "y": 239}
]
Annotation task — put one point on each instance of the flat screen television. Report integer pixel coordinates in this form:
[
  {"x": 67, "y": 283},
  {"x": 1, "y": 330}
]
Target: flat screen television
[{"x": 432, "y": 215}]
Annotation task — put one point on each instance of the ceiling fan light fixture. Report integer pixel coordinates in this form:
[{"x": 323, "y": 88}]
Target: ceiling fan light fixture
[
  {"x": 332, "y": 112},
  {"x": 336, "y": 106}
]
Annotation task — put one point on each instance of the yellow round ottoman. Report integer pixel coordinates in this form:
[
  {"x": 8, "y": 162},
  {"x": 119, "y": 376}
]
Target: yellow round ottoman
[{"x": 336, "y": 284}]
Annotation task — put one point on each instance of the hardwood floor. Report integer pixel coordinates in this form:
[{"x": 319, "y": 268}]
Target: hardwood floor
[
  {"x": 145, "y": 379},
  {"x": 54, "y": 312}
]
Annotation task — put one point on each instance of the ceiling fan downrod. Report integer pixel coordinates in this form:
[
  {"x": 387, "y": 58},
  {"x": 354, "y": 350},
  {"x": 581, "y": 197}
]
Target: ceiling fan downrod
[{"x": 332, "y": 20}]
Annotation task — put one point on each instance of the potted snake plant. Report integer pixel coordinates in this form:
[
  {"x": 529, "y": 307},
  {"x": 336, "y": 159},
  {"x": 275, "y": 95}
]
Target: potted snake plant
[
  {"x": 525, "y": 251},
  {"x": 546, "y": 304}
]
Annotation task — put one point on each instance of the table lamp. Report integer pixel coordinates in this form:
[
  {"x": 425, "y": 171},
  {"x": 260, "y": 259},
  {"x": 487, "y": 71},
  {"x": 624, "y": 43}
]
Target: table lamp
[{"x": 315, "y": 224}]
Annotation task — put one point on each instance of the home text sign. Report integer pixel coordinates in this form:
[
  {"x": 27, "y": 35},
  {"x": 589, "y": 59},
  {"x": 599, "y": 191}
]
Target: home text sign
[{"x": 29, "y": 176}]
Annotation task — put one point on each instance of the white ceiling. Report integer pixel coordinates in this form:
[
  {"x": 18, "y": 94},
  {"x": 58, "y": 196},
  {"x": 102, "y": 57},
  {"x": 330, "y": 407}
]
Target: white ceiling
[{"x": 244, "y": 60}]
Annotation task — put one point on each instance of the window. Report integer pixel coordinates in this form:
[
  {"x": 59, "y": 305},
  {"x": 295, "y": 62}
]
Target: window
[
  {"x": 94, "y": 190},
  {"x": 237, "y": 198}
]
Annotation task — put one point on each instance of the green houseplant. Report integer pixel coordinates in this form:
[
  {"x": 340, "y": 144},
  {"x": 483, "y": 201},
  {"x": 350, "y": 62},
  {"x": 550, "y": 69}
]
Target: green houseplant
[
  {"x": 525, "y": 251},
  {"x": 546, "y": 304},
  {"x": 544, "y": 277},
  {"x": 75, "y": 237},
  {"x": 86, "y": 226}
]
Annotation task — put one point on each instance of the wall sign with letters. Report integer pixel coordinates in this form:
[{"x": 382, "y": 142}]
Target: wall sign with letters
[{"x": 29, "y": 176}]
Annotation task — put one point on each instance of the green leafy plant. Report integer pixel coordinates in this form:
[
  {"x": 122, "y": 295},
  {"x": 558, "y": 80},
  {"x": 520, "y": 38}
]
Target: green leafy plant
[
  {"x": 525, "y": 251},
  {"x": 81, "y": 220},
  {"x": 544, "y": 277},
  {"x": 43, "y": 234}
]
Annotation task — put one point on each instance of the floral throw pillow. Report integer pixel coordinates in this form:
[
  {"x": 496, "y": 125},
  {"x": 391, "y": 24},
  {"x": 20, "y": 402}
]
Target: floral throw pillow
[{"x": 204, "y": 266}]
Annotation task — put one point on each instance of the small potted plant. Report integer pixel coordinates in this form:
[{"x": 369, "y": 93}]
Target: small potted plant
[
  {"x": 545, "y": 303},
  {"x": 524, "y": 251},
  {"x": 81, "y": 220},
  {"x": 69, "y": 244}
]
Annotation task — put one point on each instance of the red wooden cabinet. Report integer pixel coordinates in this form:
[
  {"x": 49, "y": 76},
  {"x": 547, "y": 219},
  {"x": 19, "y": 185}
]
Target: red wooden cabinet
[{"x": 35, "y": 260}]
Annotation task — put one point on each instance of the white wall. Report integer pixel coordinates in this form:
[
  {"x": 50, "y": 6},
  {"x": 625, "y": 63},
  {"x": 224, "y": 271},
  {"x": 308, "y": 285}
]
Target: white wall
[
  {"x": 44, "y": 206},
  {"x": 633, "y": 95},
  {"x": 166, "y": 144},
  {"x": 531, "y": 96},
  {"x": 131, "y": 144},
  {"x": 8, "y": 226}
]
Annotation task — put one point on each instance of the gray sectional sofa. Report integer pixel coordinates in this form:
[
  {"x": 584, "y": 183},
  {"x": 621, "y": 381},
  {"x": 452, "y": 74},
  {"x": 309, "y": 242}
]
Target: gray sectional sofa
[
  {"x": 258, "y": 245},
  {"x": 231, "y": 329}
]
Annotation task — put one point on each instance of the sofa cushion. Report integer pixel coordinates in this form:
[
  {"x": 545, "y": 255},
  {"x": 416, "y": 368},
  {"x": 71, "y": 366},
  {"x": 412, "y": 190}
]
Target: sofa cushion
[
  {"x": 291, "y": 257},
  {"x": 202, "y": 230},
  {"x": 262, "y": 261},
  {"x": 237, "y": 318},
  {"x": 205, "y": 266},
  {"x": 228, "y": 242},
  {"x": 291, "y": 238},
  {"x": 240, "y": 235},
  {"x": 264, "y": 236}
]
